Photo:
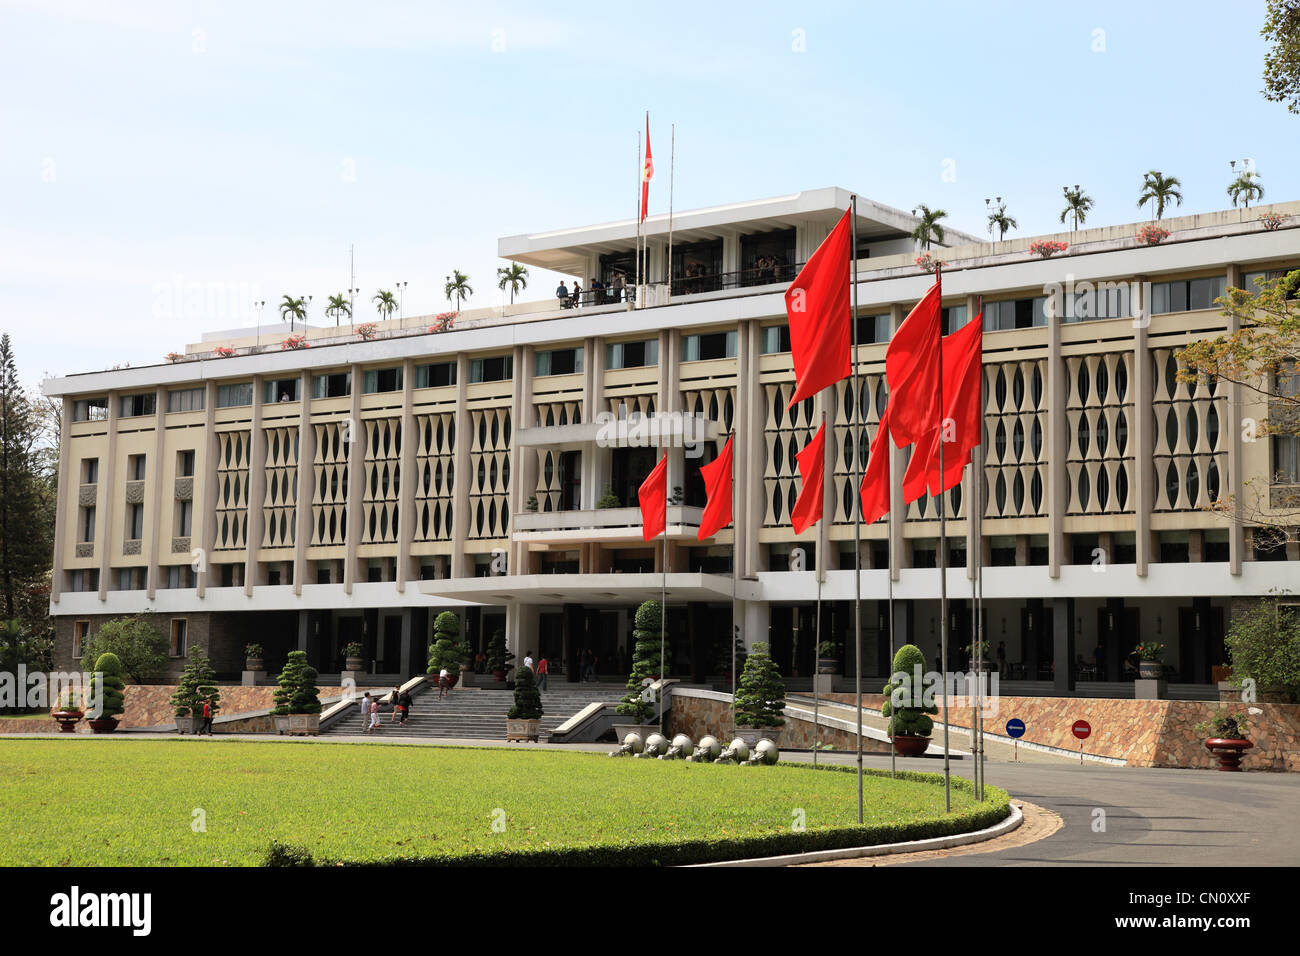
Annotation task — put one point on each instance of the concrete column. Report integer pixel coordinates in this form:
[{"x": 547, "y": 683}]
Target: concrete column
[
  {"x": 523, "y": 461},
  {"x": 106, "y": 497},
  {"x": 823, "y": 547},
  {"x": 304, "y": 629},
  {"x": 460, "y": 501},
  {"x": 1058, "y": 439},
  {"x": 1063, "y": 645},
  {"x": 1142, "y": 428},
  {"x": 154, "y": 476},
  {"x": 69, "y": 489},
  {"x": 757, "y": 619},
  {"x": 904, "y": 621},
  {"x": 306, "y": 484},
  {"x": 406, "y": 567},
  {"x": 749, "y": 450},
  {"x": 256, "y": 489},
  {"x": 406, "y": 639},
  {"x": 1236, "y": 537},
  {"x": 356, "y": 481},
  {"x": 204, "y": 505}
]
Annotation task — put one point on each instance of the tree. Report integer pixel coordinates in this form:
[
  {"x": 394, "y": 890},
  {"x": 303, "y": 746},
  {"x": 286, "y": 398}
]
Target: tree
[
  {"x": 1245, "y": 188},
  {"x": 911, "y": 720},
  {"x": 516, "y": 277},
  {"x": 458, "y": 288},
  {"x": 1263, "y": 356},
  {"x": 1159, "y": 189},
  {"x": 297, "y": 693},
  {"x": 760, "y": 695},
  {"x": 136, "y": 643},
  {"x": 198, "y": 684},
  {"x": 291, "y": 309},
  {"x": 928, "y": 227},
  {"x": 338, "y": 306},
  {"x": 385, "y": 304},
  {"x": 647, "y": 666},
  {"x": 498, "y": 656},
  {"x": 1264, "y": 645},
  {"x": 999, "y": 220},
  {"x": 1077, "y": 204},
  {"x": 107, "y": 689},
  {"x": 1282, "y": 62},
  {"x": 528, "y": 699},
  {"x": 446, "y": 651}
]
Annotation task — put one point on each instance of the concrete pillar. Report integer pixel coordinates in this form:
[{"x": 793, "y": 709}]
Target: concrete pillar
[
  {"x": 66, "y": 485},
  {"x": 204, "y": 505},
  {"x": 356, "y": 481},
  {"x": 406, "y": 641},
  {"x": 1142, "y": 429},
  {"x": 407, "y": 567},
  {"x": 1058, "y": 439},
  {"x": 1063, "y": 645},
  {"x": 106, "y": 496},
  {"x": 523, "y": 461},
  {"x": 757, "y": 619},
  {"x": 1236, "y": 538},
  {"x": 460, "y": 566},
  {"x": 154, "y": 481},
  {"x": 256, "y": 489},
  {"x": 306, "y": 484}
]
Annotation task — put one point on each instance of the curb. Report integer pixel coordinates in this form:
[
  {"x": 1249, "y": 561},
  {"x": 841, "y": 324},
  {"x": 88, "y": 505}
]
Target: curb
[{"x": 1012, "y": 822}]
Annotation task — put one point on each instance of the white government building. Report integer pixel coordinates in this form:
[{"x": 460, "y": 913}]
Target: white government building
[{"x": 351, "y": 490}]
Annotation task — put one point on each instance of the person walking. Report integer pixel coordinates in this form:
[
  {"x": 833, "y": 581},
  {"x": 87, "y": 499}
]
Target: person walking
[
  {"x": 392, "y": 700},
  {"x": 374, "y": 715},
  {"x": 365, "y": 713},
  {"x": 207, "y": 717},
  {"x": 543, "y": 669},
  {"x": 528, "y": 660},
  {"x": 404, "y": 701},
  {"x": 444, "y": 682}
]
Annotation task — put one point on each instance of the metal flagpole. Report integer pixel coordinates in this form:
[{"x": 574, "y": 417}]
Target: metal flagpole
[
  {"x": 943, "y": 569},
  {"x": 663, "y": 602},
  {"x": 735, "y": 574},
  {"x": 668, "y": 296},
  {"x": 857, "y": 484},
  {"x": 979, "y": 562},
  {"x": 821, "y": 572},
  {"x": 893, "y": 753},
  {"x": 640, "y": 172}
]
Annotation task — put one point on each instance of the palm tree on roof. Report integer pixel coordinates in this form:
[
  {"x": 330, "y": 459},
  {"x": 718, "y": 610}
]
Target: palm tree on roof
[
  {"x": 1077, "y": 204},
  {"x": 928, "y": 227},
  {"x": 458, "y": 288},
  {"x": 516, "y": 277},
  {"x": 338, "y": 306},
  {"x": 1158, "y": 189},
  {"x": 1245, "y": 188},
  {"x": 291, "y": 308},
  {"x": 1001, "y": 221}
]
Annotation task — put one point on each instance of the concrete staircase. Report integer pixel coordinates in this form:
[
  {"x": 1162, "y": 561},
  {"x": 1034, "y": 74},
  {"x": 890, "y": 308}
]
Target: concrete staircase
[{"x": 476, "y": 713}]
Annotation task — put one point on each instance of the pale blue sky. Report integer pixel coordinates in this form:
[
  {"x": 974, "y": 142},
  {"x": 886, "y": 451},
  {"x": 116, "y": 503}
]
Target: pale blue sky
[{"x": 149, "y": 146}]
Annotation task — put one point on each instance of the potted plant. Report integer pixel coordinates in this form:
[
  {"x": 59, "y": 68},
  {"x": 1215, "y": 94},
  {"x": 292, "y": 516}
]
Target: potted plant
[
  {"x": 108, "y": 692},
  {"x": 1272, "y": 221},
  {"x": 531, "y": 503},
  {"x": 980, "y": 650},
  {"x": 760, "y": 698},
  {"x": 927, "y": 262},
  {"x": 909, "y": 723},
  {"x": 1150, "y": 660},
  {"x": 828, "y": 657},
  {"x": 354, "y": 656},
  {"x": 68, "y": 712},
  {"x": 224, "y": 351},
  {"x": 639, "y": 701},
  {"x": 297, "y": 700},
  {"x": 1047, "y": 248},
  {"x": 497, "y": 655},
  {"x": 1226, "y": 738},
  {"x": 608, "y": 499},
  {"x": 366, "y": 331},
  {"x": 294, "y": 342},
  {"x": 524, "y": 719},
  {"x": 1152, "y": 235},
  {"x": 253, "y": 660},
  {"x": 446, "y": 651},
  {"x": 676, "y": 497},
  {"x": 197, "y": 684}
]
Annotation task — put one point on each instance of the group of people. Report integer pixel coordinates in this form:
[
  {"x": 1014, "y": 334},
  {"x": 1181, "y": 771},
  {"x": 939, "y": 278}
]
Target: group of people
[
  {"x": 400, "y": 702},
  {"x": 596, "y": 294}
]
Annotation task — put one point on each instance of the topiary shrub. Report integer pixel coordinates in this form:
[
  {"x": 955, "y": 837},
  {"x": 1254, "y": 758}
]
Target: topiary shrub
[
  {"x": 298, "y": 693},
  {"x": 908, "y": 721},
  {"x": 446, "y": 651},
  {"x": 528, "y": 699},
  {"x": 107, "y": 687},
  {"x": 197, "y": 684},
  {"x": 760, "y": 694},
  {"x": 646, "y": 663},
  {"x": 609, "y": 499},
  {"x": 497, "y": 654}
]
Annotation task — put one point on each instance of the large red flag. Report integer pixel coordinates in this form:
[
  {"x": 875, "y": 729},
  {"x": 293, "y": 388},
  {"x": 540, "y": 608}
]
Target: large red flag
[
  {"x": 912, "y": 371},
  {"x": 817, "y": 304},
  {"x": 875, "y": 483},
  {"x": 962, "y": 428},
  {"x": 717, "y": 486},
  {"x": 647, "y": 170},
  {"x": 653, "y": 495},
  {"x": 812, "y": 469}
]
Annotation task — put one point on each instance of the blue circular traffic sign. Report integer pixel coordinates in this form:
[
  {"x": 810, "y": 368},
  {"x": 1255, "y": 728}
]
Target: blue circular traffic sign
[{"x": 1015, "y": 727}]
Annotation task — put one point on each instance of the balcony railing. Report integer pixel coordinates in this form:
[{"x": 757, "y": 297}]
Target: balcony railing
[{"x": 686, "y": 285}]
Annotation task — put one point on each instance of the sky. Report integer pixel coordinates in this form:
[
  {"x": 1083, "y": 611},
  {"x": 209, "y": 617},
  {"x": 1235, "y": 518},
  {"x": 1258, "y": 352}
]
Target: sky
[{"x": 164, "y": 165}]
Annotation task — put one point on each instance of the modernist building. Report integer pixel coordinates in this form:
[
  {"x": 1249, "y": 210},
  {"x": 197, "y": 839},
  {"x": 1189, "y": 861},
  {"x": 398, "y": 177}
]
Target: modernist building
[{"x": 347, "y": 491}]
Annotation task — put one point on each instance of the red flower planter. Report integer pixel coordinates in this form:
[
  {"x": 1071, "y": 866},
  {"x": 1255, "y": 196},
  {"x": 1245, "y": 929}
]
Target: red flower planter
[
  {"x": 67, "y": 720},
  {"x": 1229, "y": 751}
]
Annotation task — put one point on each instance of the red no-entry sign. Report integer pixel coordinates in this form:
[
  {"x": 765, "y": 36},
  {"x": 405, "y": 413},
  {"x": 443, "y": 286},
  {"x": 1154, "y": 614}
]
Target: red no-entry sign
[{"x": 1082, "y": 729}]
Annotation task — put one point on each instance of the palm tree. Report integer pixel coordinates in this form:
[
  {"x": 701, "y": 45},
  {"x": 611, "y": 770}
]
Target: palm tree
[
  {"x": 928, "y": 227},
  {"x": 338, "y": 306},
  {"x": 385, "y": 304},
  {"x": 291, "y": 309},
  {"x": 1245, "y": 188},
  {"x": 1077, "y": 204},
  {"x": 458, "y": 287},
  {"x": 516, "y": 277},
  {"x": 999, "y": 219},
  {"x": 1159, "y": 189}
]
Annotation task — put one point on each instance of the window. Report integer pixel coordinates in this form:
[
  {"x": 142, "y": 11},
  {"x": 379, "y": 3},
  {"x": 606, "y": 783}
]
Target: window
[
  {"x": 1250, "y": 284},
  {"x": 135, "y": 468},
  {"x": 89, "y": 471},
  {"x": 331, "y": 385},
  {"x": 557, "y": 362},
  {"x": 873, "y": 328},
  {"x": 1186, "y": 295},
  {"x": 233, "y": 396},
  {"x": 437, "y": 375},
  {"x": 632, "y": 354},
  {"x": 80, "y": 631},
  {"x": 90, "y": 410},
  {"x": 952, "y": 318},
  {"x": 185, "y": 464},
  {"x": 776, "y": 338},
  {"x": 83, "y": 580},
  {"x": 179, "y": 632},
  {"x": 496, "y": 369},
  {"x": 710, "y": 345},
  {"x": 185, "y": 400},
  {"x": 1286, "y": 459},
  {"x": 87, "y": 524},
  {"x": 381, "y": 380},
  {"x": 134, "y": 406},
  {"x": 134, "y": 522},
  {"x": 184, "y": 519},
  {"x": 1015, "y": 314},
  {"x": 130, "y": 579},
  {"x": 280, "y": 390},
  {"x": 1287, "y": 379}
]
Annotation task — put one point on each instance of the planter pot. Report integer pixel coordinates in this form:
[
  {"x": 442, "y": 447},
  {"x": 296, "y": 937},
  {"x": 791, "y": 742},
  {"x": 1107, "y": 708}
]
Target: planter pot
[
  {"x": 356, "y": 664},
  {"x": 909, "y": 745},
  {"x": 67, "y": 720},
  {"x": 296, "y": 723},
  {"x": 1229, "y": 751},
  {"x": 827, "y": 665},
  {"x": 752, "y": 735},
  {"x": 1151, "y": 670},
  {"x": 103, "y": 725},
  {"x": 188, "y": 725},
  {"x": 641, "y": 730},
  {"x": 522, "y": 729},
  {"x": 499, "y": 675},
  {"x": 254, "y": 664}
]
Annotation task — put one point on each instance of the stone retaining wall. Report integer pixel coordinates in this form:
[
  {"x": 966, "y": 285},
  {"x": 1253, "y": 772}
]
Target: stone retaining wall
[{"x": 697, "y": 716}]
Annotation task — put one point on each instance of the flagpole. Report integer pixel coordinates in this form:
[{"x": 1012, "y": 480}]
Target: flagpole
[
  {"x": 663, "y": 601},
  {"x": 857, "y": 483},
  {"x": 943, "y": 566},
  {"x": 672, "y": 172},
  {"x": 821, "y": 572},
  {"x": 979, "y": 561},
  {"x": 640, "y": 172},
  {"x": 889, "y": 476},
  {"x": 735, "y": 574}
]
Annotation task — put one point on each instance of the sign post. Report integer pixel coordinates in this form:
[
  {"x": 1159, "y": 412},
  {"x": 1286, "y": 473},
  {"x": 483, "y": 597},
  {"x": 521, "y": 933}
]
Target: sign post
[
  {"x": 1081, "y": 729},
  {"x": 1015, "y": 730}
]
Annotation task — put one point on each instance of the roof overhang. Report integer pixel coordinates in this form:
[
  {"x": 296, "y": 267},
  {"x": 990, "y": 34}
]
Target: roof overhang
[{"x": 590, "y": 589}]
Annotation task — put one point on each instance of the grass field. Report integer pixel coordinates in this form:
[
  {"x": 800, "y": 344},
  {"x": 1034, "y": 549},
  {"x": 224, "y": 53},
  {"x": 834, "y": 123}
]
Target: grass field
[{"x": 115, "y": 802}]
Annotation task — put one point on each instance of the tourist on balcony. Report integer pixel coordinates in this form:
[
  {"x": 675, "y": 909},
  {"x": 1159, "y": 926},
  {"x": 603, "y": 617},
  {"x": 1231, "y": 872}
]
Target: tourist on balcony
[
  {"x": 597, "y": 292},
  {"x": 620, "y": 286},
  {"x": 577, "y": 294},
  {"x": 562, "y": 293}
]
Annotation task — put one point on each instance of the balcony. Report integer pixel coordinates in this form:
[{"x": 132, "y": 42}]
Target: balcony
[{"x": 605, "y": 525}]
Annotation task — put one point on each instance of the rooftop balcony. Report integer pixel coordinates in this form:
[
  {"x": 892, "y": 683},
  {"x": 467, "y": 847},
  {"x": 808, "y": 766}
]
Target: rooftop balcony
[{"x": 604, "y": 525}]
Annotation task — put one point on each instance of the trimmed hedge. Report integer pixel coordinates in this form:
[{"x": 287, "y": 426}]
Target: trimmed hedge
[{"x": 996, "y": 807}]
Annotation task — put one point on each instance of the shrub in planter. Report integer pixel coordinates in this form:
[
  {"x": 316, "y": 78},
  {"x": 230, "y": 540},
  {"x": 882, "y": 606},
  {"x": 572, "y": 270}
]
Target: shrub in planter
[
  {"x": 527, "y": 710},
  {"x": 609, "y": 499},
  {"x": 1047, "y": 248},
  {"x": 531, "y": 503},
  {"x": 1225, "y": 734},
  {"x": 446, "y": 650},
  {"x": 1152, "y": 235},
  {"x": 1272, "y": 221},
  {"x": 354, "y": 656},
  {"x": 498, "y": 657},
  {"x": 297, "y": 693},
  {"x": 107, "y": 689},
  {"x": 366, "y": 331},
  {"x": 760, "y": 694},
  {"x": 646, "y": 663},
  {"x": 910, "y": 722},
  {"x": 1264, "y": 644},
  {"x": 197, "y": 684}
]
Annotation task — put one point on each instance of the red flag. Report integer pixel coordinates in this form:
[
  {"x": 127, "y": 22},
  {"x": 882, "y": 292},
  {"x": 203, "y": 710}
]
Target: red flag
[
  {"x": 812, "y": 469},
  {"x": 647, "y": 170},
  {"x": 817, "y": 304},
  {"x": 912, "y": 371},
  {"x": 962, "y": 428},
  {"x": 653, "y": 495},
  {"x": 717, "y": 486},
  {"x": 875, "y": 483}
]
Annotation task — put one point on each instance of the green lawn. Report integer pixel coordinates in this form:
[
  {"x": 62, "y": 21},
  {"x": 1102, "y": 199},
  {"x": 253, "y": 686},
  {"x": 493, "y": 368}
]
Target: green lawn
[{"x": 115, "y": 802}]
